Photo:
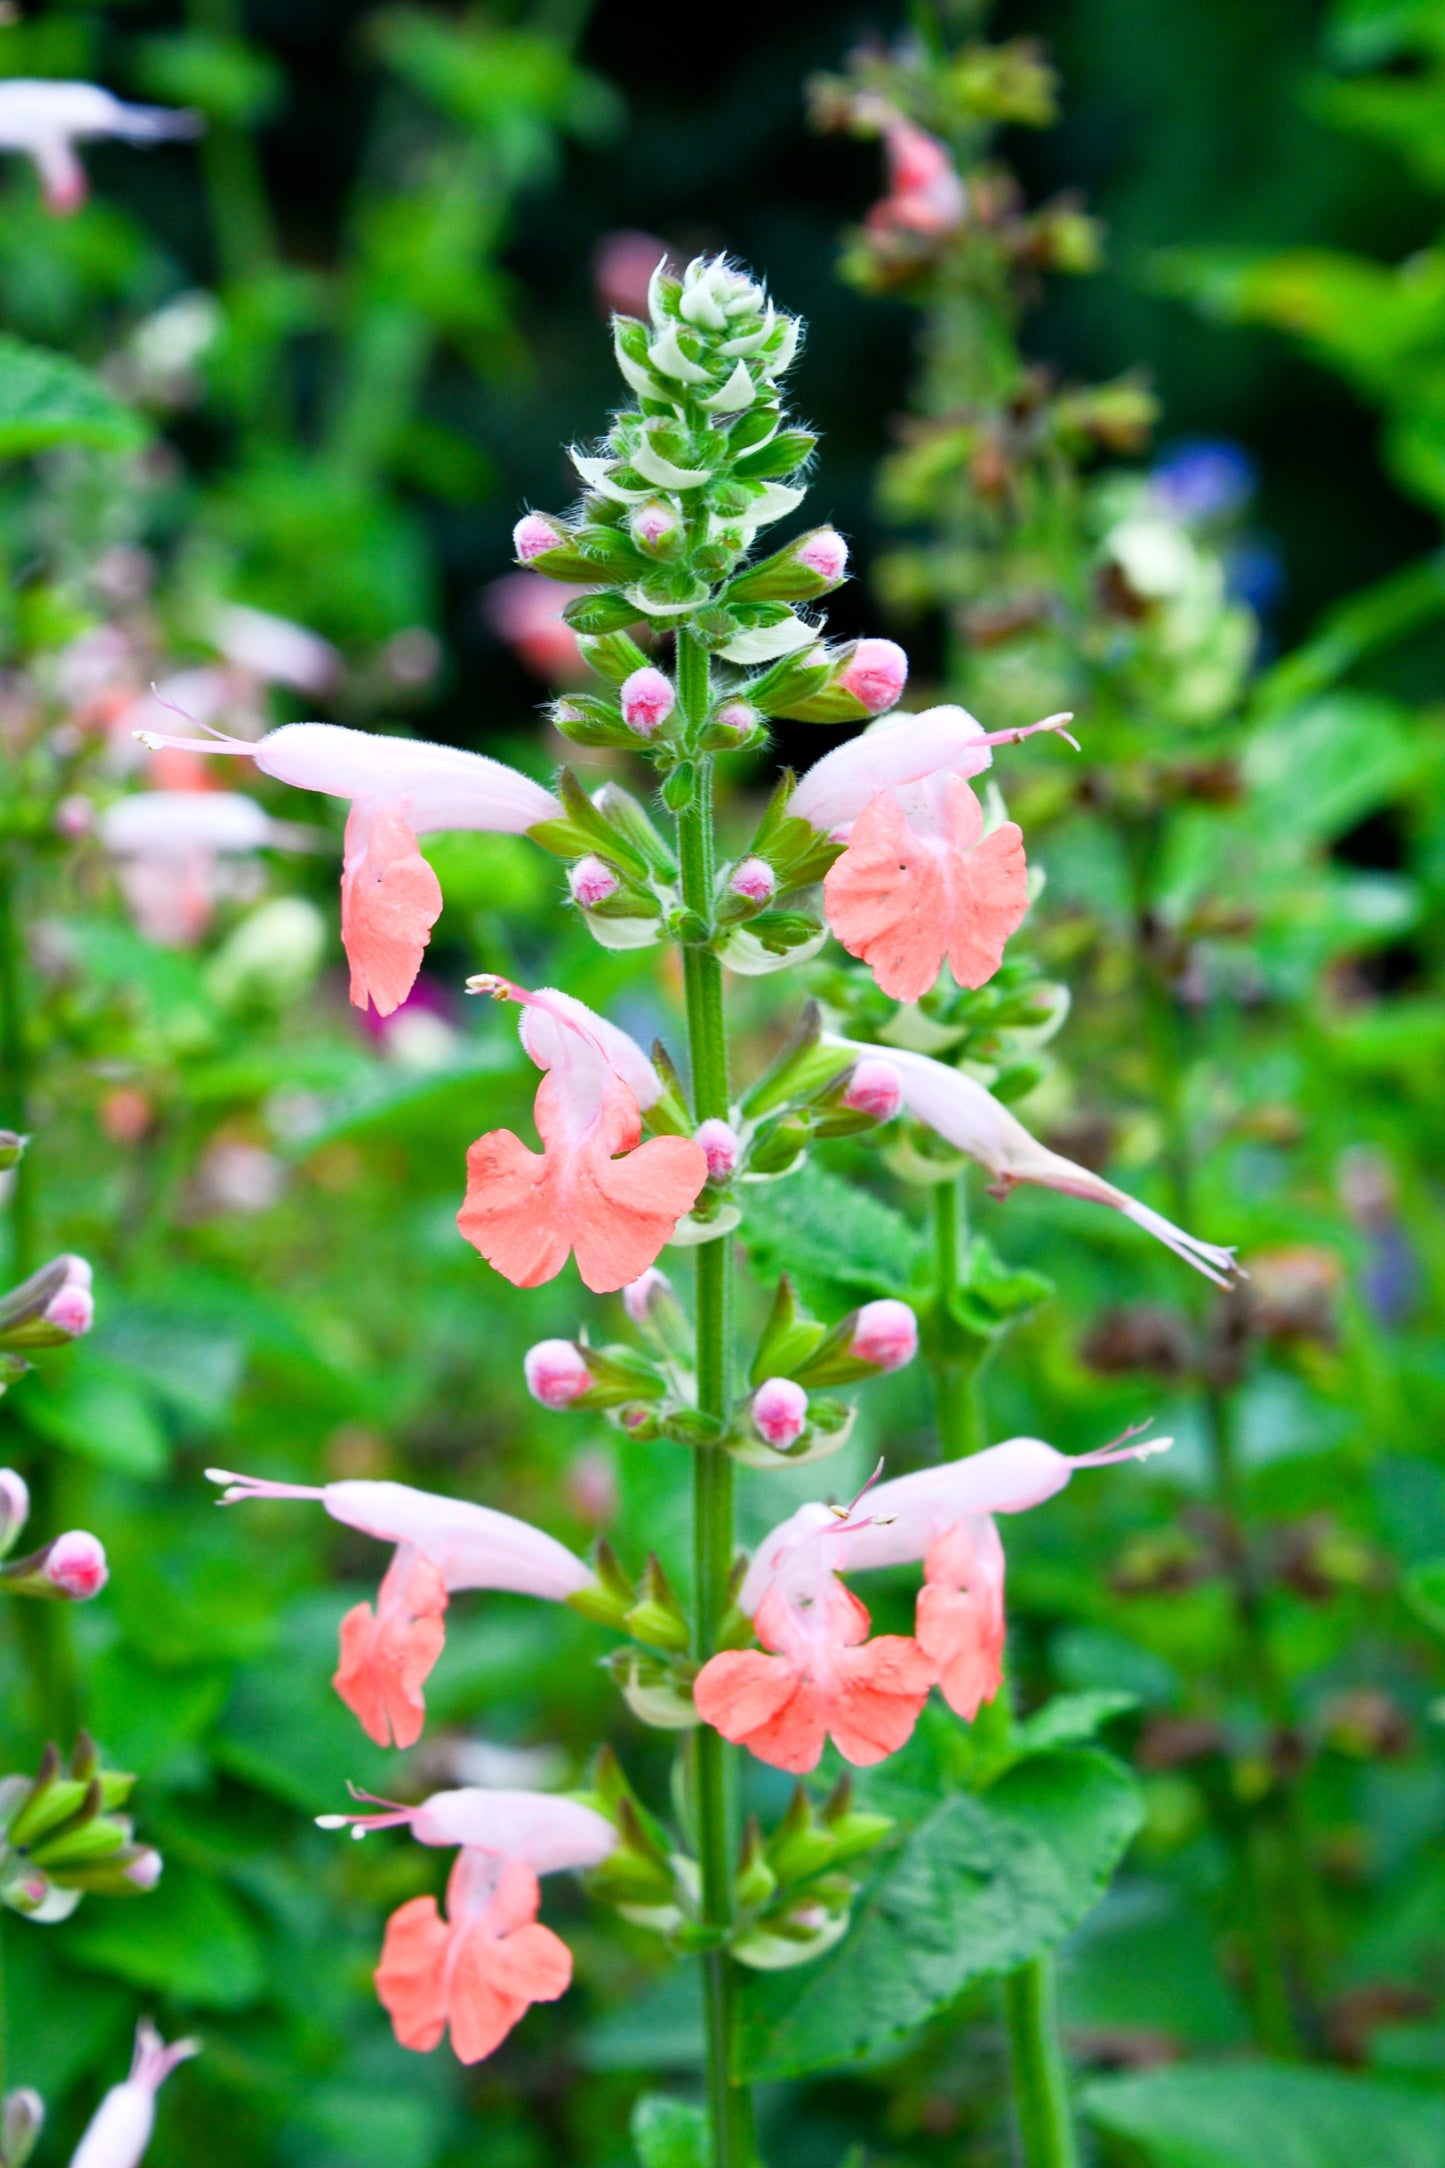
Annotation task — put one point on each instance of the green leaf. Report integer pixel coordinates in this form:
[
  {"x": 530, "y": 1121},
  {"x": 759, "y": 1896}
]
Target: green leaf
[
  {"x": 101, "y": 1414},
  {"x": 669, "y": 2133},
  {"x": 1070, "y": 1719},
  {"x": 1257, "y": 2115},
  {"x": 1424, "y": 1591},
  {"x": 826, "y": 1230},
  {"x": 188, "y": 1937},
  {"x": 981, "y": 1886},
  {"x": 48, "y": 399}
]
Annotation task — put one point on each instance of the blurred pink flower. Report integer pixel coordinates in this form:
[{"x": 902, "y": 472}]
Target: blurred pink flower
[
  {"x": 120, "y": 2129},
  {"x": 622, "y": 266},
  {"x": 274, "y": 649},
  {"x": 176, "y": 854},
  {"x": 47, "y": 119},
  {"x": 925, "y": 193},
  {"x": 525, "y": 609}
]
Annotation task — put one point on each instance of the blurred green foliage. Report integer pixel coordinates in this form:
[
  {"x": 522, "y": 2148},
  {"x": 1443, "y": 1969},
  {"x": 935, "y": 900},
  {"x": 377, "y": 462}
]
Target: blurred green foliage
[{"x": 356, "y": 322}]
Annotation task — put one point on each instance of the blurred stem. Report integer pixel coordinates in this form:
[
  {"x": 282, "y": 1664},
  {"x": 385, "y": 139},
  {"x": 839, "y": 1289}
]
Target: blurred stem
[
  {"x": 1037, "y": 2070},
  {"x": 241, "y": 222},
  {"x": 1278, "y": 1904},
  {"x": 1040, "y": 2080},
  {"x": 15, "y": 1062},
  {"x": 729, "y": 2105}
]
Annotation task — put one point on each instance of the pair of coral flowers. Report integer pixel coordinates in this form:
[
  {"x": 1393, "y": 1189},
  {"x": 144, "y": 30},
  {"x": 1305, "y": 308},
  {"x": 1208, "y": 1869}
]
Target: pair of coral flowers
[
  {"x": 817, "y": 1676},
  {"x": 917, "y": 881}
]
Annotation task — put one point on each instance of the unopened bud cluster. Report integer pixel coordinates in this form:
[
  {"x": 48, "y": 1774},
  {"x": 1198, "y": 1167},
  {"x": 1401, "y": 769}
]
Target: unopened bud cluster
[
  {"x": 62, "y": 1836},
  {"x": 674, "y": 501}
]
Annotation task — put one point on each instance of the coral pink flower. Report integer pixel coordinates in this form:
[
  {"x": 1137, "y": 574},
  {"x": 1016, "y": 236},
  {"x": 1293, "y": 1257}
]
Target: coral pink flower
[
  {"x": 47, "y": 120},
  {"x": 120, "y": 2129},
  {"x": 943, "y": 1517},
  {"x": 400, "y": 788},
  {"x": 482, "y": 1967},
  {"x": 919, "y": 880},
  {"x": 925, "y": 193},
  {"x": 958, "y": 1109},
  {"x": 442, "y": 1544},
  {"x": 823, "y": 1680},
  {"x": 960, "y": 1613},
  {"x": 595, "y": 1188},
  {"x": 908, "y": 893},
  {"x": 478, "y": 1970},
  {"x": 387, "y": 1655}
]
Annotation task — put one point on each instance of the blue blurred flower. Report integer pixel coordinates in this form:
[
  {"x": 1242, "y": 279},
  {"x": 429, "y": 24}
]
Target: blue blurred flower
[{"x": 1205, "y": 478}]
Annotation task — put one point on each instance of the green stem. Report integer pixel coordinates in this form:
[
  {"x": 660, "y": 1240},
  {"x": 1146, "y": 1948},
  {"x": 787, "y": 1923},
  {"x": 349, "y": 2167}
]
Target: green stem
[
  {"x": 15, "y": 1065},
  {"x": 955, "y": 1357},
  {"x": 729, "y": 2105},
  {"x": 1036, "y": 2063}
]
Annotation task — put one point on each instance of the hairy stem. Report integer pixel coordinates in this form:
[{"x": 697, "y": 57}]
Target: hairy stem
[
  {"x": 729, "y": 2106},
  {"x": 1036, "y": 2062}
]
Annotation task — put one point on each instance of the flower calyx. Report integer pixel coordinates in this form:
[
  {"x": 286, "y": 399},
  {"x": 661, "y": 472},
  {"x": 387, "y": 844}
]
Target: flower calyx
[
  {"x": 61, "y": 1836},
  {"x": 792, "y": 1901}
]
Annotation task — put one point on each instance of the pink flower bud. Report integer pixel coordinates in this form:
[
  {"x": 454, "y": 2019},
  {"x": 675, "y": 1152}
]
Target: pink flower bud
[
  {"x": 736, "y": 716},
  {"x": 592, "y": 882},
  {"x": 753, "y": 878},
  {"x": 825, "y": 553},
  {"x": 637, "y": 1296},
  {"x": 875, "y": 1088},
  {"x": 647, "y": 700},
  {"x": 14, "y": 1506},
  {"x": 780, "y": 1411},
  {"x": 145, "y": 1872},
  {"x": 875, "y": 673},
  {"x": 556, "y": 1372},
  {"x": 719, "y": 1148},
  {"x": 75, "y": 1565},
  {"x": 885, "y": 1334},
  {"x": 72, "y": 1307},
  {"x": 74, "y": 817},
  {"x": 653, "y": 523},
  {"x": 533, "y": 536}
]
